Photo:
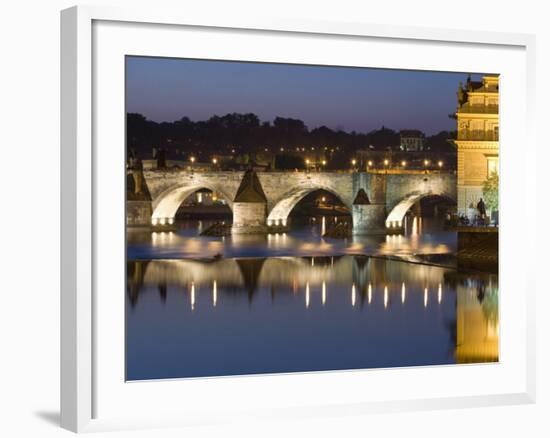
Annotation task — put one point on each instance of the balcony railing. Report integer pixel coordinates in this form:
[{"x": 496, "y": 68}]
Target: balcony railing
[
  {"x": 477, "y": 135},
  {"x": 478, "y": 109}
]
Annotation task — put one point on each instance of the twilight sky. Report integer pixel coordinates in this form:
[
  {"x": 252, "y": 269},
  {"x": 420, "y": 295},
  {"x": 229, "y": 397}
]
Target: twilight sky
[{"x": 360, "y": 99}]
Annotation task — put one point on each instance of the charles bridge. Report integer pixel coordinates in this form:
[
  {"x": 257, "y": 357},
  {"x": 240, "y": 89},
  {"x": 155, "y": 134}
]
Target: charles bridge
[{"x": 260, "y": 201}]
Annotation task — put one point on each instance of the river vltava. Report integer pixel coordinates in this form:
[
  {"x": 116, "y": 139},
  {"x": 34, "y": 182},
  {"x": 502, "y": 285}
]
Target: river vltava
[{"x": 206, "y": 306}]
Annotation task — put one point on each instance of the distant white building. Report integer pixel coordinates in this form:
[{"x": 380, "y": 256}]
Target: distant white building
[{"x": 412, "y": 140}]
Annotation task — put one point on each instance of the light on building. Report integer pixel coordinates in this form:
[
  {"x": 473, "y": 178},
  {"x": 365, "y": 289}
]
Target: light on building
[
  {"x": 403, "y": 163},
  {"x": 369, "y": 163},
  {"x": 386, "y": 162},
  {"x": 440, "y": 163},
  {"x": 324, "y": 162},
  {"x": 354, "y": 162},
  {"x": 426, "y": 162}
]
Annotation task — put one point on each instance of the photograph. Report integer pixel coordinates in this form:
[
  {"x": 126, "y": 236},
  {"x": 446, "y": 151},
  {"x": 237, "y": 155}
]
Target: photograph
[{"x": 291, "y": 218}]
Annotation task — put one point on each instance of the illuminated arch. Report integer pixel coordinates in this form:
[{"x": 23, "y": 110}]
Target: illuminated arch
[
  {"x": 280, "y": 211},
  {"x": 167, "y": 203},
  {"x": 397, "y": 214}
]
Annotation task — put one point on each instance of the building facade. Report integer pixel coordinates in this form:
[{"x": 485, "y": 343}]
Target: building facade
[
  {"x": 411, "y": 140},
  {"x": 477, "y": 139}
]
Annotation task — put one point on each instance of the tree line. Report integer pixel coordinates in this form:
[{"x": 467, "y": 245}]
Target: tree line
[{"x": 245, "y": 134}]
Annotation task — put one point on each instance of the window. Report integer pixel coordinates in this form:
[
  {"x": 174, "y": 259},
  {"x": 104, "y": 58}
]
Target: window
[{"x": 492, "y": 165}]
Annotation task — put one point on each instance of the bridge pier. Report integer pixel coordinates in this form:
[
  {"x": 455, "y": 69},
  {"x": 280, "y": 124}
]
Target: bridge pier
[
  {"x": 250, "y": 206},
  {"x": 369, "y": 219},
  {"x": 369, "y": 214},
  {"x": 139, "y": 206}
]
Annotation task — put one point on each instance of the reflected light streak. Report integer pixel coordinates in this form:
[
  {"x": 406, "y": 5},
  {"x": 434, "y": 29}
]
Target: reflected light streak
[
  {"x": 385, "y": 296},
  {"x": 369, "y": 293},
  {"x": 324, "y": 293},
  {"x": 439, "y": 293},
  {"x": 214, "y": 293},
  {"x": 353, "y": 295},
  {"x": 323, "y": 226},
  {"x": 403, "y": 293},
  {"x": 425, "y": 296},
  {"x": 192, "y": 295},
  {"x": 307, "y": 294}
]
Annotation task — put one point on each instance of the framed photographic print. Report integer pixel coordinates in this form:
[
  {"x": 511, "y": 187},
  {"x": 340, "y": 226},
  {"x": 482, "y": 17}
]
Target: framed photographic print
[{"x": 268, "y": 218}]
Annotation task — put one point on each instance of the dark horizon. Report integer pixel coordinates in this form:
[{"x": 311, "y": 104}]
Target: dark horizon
[{"x": 342, "y": 98}]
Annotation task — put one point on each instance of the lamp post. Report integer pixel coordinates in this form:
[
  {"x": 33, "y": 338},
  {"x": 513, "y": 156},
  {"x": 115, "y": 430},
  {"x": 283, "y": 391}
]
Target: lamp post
[
  {"x": 214, "y": 162},
  {"x": 440, "y": 164},
  {"x": 386, "y": 163},
  {"x": 192, "y": 159},
  {"x": 426, "y": 163},
  {"x": 323, "y": 163},
  {"x": 353, "y": 163},
  {"x": 403, "y": 163},
  {"x": 369, "y": 164},
  {"x": 307, "y": 165}
]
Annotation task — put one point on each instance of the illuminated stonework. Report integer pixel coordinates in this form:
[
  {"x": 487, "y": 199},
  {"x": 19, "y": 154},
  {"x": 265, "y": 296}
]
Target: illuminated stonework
[{"x": 477, "y": 138}]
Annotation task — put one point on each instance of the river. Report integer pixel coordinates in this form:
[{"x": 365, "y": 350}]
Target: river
[{"x": 295, "y": 302}]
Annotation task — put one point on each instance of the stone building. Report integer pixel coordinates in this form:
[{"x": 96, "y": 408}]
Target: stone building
[
  {"x": 477, "y": 139},
  {"x": 412, "y": 140}
]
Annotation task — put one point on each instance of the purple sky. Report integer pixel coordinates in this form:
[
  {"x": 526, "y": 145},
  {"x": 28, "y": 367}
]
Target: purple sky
[{"x": 360, "y": 99}]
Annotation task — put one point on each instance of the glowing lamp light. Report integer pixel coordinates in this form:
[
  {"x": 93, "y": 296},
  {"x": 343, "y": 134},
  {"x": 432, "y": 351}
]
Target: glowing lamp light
[
  {"x": 386, "y": 162},
  {"x": 192, "y": 159},
  {"x": 426, "y": 162},
  {"x": 324, "y": 162},
  {"x": 155, "y": 221},
  {"x": 354, "y": 162},
  {"x": 369, "y": 163},
  {"x": 269, "y": 223},
  {"x": 440, "y": 163},
  {"x": 171, "y": 221},
  {"x": 284, "y": 222},
  {"x": 403, "y": 163},
  {"x": 307, "y": 161},
  {"x": 214, "y": 161}
]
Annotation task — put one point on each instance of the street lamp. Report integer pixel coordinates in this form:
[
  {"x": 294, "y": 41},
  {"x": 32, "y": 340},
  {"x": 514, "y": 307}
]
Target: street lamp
[
  {"x": 440, "y": 163},
  {"x": 369, "y": 163},
  {"x": 403, "y": 163},
  {"x": 386, "y": 162},
  {"x": 192, "y": 159},
  {"x": 353, "y": 163},
  {"x": 307, "y": 164},
  {"x": 426, "y": 162}
]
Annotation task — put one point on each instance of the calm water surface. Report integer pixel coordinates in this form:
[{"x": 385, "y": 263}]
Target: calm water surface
[{"x": 290, "y": 303}]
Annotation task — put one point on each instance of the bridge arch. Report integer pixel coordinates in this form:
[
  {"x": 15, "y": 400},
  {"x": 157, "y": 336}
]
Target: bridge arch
[
  {"x": 398, "y": 212},
  {"x": 278, "y": 215},
  {"x": 167, "y": 203}
]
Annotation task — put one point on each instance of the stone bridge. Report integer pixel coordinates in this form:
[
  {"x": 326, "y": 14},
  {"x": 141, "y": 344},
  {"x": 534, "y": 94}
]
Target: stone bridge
[{"x": 261, "y": 200}]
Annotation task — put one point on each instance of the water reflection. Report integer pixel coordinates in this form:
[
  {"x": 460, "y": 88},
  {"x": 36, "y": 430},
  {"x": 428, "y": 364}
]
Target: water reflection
[
  {"x": 422, "y": 236},
  {"x": 256, "y": 315}
]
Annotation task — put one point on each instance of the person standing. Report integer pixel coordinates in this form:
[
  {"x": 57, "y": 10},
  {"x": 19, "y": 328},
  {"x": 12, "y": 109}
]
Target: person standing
[{"x": 481, "y": 209}]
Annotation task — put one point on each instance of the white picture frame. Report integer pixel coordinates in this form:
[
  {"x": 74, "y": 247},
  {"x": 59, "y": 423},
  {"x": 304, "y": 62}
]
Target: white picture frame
[{"x": 83, "y": 370}]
